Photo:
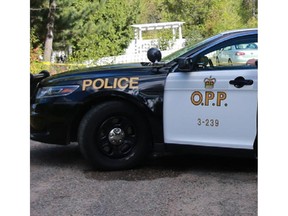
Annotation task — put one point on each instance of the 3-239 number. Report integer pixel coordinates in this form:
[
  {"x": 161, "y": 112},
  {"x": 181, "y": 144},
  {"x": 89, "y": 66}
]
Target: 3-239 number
[{"x": 208, "y": 122}]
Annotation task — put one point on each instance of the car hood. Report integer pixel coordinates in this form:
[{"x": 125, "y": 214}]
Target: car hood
[{"x": 73, "y": 77}]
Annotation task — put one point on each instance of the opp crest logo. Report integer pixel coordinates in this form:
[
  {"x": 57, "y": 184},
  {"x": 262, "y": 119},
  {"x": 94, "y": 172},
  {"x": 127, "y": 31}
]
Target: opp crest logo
[
  {"x": 209, "y": 82},
  {"x": 209, "y": 98}
]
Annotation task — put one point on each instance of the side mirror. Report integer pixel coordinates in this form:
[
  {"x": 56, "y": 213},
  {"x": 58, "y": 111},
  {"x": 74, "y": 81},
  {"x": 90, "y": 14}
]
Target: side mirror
[
  {"x": 185, "y": 64},
  {"x": 154, "y": 55}
]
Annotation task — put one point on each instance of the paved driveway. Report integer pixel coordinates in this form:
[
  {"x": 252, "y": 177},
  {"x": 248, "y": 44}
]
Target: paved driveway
[{"x": 62, "y": 183}]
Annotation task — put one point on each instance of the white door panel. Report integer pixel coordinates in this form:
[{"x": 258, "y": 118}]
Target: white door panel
[{"x": 218, "y": 115}]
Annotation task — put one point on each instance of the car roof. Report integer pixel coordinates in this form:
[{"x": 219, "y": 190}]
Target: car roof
[{"x": 239, "y": 32}]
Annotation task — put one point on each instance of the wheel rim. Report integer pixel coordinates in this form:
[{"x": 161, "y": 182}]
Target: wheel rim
[{"x": 116, "y": 137}]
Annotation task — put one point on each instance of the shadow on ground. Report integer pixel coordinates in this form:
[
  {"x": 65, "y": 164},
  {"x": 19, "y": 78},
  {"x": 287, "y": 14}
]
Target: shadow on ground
[{"x": 156, "y": 166}]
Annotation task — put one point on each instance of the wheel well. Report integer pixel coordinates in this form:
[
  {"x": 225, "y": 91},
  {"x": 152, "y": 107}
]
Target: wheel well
[{"x": 99, "y": 100}]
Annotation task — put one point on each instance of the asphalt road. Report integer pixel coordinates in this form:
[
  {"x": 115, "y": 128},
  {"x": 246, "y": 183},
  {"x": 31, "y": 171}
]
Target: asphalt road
[{"x": 62, "y": 183}]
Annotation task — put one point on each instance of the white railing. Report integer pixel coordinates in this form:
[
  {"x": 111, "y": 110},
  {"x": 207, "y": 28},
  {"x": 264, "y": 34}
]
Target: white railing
[
  {"x": 137, "y": 49},
  {"x": 137, "y": 52}
]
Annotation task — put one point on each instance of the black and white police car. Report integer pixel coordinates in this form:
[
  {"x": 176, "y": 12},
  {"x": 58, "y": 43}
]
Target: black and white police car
[{"x": 118, "y": 113}]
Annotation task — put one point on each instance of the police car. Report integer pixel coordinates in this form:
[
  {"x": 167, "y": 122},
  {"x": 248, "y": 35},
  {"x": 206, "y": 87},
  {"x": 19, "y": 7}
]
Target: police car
[{"x": 119, "y": 113}]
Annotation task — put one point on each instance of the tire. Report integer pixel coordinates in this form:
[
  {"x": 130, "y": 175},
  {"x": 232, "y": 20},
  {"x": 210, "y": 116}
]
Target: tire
[
  {"x": 255, "y": 147},
  {"x": 113, "y": 136},
  {"x": 230, "y": 62}
]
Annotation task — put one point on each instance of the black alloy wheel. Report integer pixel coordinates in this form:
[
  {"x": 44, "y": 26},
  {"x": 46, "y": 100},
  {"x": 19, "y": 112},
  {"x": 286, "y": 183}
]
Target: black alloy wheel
[{"x": 114, "y": 136}]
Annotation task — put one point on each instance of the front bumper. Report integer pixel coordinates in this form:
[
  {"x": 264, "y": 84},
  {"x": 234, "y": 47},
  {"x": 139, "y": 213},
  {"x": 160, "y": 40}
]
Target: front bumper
[
  {"x": 51, "y": 122},
  {"x": 51, "y": 135}
]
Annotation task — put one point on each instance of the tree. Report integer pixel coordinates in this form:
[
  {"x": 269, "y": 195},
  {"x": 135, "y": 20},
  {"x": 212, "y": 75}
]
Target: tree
[
  {"x": 98, "y": 28},
  {"x": 204, "y": 18},
  {"x": 223, "y": 16},
  {"x": 149, "y": 11},
  {"x": 94, "y": 29},
  {"x": 249, "y": 12},
  {"x": 193, "y": 12},
  {"x": 39, "y": 10},
  {"x": 50, "y": 27}
]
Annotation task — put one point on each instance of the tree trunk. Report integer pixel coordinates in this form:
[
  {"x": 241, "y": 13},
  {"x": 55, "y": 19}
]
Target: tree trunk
[{"x": 50, "y": 27}]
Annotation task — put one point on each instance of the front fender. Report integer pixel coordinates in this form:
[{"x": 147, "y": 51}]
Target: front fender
[{"x": 150, "y": 107}]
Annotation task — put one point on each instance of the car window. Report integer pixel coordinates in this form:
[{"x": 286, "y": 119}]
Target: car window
[
  {"x": 238, "y": 55},
  {"x": 227, "y": 48},
  {"x": 246, "y": 46},
  {"x": 184, "y": 50}
]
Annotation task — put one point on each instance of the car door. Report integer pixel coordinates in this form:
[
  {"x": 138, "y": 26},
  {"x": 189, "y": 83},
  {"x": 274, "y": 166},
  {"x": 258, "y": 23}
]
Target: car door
[{"x": 211, "y": 106}]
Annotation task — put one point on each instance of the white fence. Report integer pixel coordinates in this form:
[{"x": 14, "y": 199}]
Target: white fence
[
  {"x": 137, "y": 52},
  {"x": 137, "y": 49}
]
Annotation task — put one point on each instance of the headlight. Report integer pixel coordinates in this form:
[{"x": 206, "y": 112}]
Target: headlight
[{"x": 56, "y": 91}]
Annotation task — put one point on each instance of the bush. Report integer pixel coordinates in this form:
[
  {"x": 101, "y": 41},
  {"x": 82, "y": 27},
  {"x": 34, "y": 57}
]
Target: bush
[{"x": 53, "y": 68}]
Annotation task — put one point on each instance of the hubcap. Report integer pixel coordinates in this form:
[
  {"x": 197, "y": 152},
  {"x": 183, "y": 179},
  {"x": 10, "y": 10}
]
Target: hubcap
[{"x": 116, "y": 136}]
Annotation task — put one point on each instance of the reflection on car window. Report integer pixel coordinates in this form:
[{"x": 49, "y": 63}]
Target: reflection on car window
[
  {"x": 182, "y": 51},
  {"x": 236, "y": 55},
  {"x": 227, "y": 48},
  {"x": 246, "y": 46}
]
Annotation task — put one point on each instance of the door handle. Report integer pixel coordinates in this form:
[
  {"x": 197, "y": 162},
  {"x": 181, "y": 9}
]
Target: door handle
[{"x": 240, "y": 81}]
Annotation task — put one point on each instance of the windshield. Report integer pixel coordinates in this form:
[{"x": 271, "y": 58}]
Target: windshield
[{"x": 186, "y": 49}]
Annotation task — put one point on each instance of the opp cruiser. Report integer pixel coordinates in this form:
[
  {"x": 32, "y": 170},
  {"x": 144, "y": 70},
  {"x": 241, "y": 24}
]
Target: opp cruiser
[{"x": 196, "y": 97}]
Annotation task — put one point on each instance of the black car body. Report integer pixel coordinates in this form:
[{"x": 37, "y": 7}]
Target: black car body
[
  {"x": 59, "y": 103},
  {"x": 56, "y": 119}
]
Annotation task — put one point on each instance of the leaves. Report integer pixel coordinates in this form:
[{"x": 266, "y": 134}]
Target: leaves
[{"x": 98, "y": 28}]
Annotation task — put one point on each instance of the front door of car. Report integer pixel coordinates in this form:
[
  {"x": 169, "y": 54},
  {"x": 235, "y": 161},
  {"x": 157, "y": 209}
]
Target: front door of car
[{"x": 213, "y": 106}]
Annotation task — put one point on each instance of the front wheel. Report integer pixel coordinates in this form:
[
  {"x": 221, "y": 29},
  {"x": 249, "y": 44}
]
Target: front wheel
[{"x": 114, "y": 136}]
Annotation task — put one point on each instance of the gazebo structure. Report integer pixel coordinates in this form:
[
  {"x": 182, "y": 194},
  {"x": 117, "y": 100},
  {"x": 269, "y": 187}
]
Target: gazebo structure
[
  {"x": 139, "y": 46},
  {"x": 139, "y": 28},
  {"x": 137, "y": 49}
]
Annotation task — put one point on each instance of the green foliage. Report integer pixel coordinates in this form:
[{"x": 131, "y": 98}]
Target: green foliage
[
  {"x": 35, "y": 52},
  {"x": 165, "y": 39},
  {"x": 95, "y": 28},
  {"x": 150, "y": 11},
  {"x": 192, "y": 12},
  {"x": 98, "y": 28},
  {"x": 92, "y": 28},
  {"x": 248, "y": 12},
  {"x": 204, "y": 18},
  {"x": 228, "y": 19}
]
